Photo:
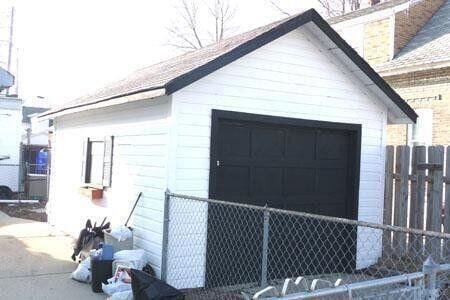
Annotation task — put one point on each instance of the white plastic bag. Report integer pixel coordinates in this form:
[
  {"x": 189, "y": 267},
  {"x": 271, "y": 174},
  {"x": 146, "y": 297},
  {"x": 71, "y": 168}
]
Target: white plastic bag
[
  {"x": 115, "y": 287},
  {"x": 133, "y": 258},
  {"x": 121, "y": 233},
  {"x": 120, "y": 282},
  {"x": 83, "y": 273},
  {"x": 125, "y": 295}
]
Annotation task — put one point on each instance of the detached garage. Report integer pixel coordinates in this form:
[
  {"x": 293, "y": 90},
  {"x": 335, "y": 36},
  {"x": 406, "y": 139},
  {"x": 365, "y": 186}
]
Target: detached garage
[{"x": 287, "y": 115}]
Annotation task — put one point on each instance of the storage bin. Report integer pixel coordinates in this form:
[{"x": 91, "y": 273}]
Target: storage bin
[{"x": 101, "y": 272}]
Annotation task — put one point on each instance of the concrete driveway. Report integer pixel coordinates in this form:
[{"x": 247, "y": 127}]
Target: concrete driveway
[{"x": 35, "y": 263}]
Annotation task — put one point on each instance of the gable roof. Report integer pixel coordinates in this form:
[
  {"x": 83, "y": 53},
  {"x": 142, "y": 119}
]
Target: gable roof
[
  {"x": 366, "y": 11},
  {"x": 429, "y": 46},
  {"x": 172, "y": 75}
]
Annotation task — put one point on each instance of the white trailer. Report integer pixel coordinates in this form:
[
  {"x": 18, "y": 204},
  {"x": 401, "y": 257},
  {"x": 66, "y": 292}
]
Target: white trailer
[{"x": 10, "y": 135}]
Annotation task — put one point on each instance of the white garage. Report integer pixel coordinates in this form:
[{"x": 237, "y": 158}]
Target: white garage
[{"x": 243, "y": 121}]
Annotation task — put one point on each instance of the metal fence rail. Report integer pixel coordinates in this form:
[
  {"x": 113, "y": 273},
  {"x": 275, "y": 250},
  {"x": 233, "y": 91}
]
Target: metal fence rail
[{"x": 216, "y": 249}]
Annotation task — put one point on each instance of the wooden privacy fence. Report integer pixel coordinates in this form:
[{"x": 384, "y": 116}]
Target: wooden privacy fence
[{"x": 417, "y": 191}]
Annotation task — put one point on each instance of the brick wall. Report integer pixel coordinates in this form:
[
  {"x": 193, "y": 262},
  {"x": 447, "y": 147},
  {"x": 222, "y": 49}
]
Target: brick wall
[
  {"x": 377, "y": 41},
  {"x": 410, "y": 21},
  {"x": 419, "y": 89}
]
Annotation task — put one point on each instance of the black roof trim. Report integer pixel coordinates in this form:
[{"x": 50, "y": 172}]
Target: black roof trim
[
  {"x": 364, "y": 66},
  {"x": 310, "y": 15},
  {"x": 243, "y": 49},
  {"x": 256, "y": 42}
]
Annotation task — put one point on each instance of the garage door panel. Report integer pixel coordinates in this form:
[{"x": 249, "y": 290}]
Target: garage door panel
[
  {"x": 332, "y": 181},
  {"x": 233, "y": 181},
  {"x": 267, "y": 182},
  {"x": 267, "y": 142},
  {"x": 234, "y": 141},
  {"x": 300, "y": 145},
  {"x": 332, "y": 145},
  {"x": 299, "y": 181},
  {"x": 298, "y": 204},
  {"x": 331, "y": 209}
]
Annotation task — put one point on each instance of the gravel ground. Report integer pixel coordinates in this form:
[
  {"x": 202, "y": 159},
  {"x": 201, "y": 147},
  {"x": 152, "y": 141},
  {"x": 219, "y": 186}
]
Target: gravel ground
[{"x": 29, "y": 211}]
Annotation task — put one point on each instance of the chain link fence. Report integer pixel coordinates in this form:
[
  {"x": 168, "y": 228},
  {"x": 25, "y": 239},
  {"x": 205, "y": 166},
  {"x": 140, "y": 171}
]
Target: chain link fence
[
  {"x": 24, "y": 181},
  {"x": 222, "y": 250}
]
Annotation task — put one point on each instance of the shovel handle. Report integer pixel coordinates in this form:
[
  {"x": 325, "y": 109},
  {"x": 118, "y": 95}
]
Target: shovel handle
[{"x": 134, "y": 206}]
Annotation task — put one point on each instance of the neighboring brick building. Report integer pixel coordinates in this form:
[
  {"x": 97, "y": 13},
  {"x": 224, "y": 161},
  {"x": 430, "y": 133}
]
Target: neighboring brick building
[{"x": 408, "y": 43}]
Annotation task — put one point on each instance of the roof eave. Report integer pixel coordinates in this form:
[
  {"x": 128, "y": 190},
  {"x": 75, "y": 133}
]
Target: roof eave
[
  {"x": 140, "y": 95},
  {"x": 387, "y": 72},
  {"x": 243, "y": 49}
]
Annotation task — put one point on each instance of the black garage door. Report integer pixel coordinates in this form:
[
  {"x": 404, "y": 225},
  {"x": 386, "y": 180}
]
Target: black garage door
[{"x": 283, "y": 163}]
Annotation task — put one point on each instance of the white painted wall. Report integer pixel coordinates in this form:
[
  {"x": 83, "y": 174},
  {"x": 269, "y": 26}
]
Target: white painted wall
[
  {"x": 290, "y": 77},
  {"x": 140, "y": 131},
  {"x": 10, "y": 135}
]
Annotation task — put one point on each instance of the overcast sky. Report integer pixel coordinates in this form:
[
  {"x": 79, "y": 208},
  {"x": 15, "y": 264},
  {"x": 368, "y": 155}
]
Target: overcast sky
[{"x": 69, "y": 47}]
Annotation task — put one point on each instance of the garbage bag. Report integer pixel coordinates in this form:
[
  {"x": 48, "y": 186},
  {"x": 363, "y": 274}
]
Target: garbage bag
[
  {"x": 121, "y": 233},
  {"x": 125, "y": 295},
  {"x": 135, "y": 259},
  {"x": 146, "y": 287},
  {"x": 115, "y": 287},
  {"x": 83, "y": 273}
]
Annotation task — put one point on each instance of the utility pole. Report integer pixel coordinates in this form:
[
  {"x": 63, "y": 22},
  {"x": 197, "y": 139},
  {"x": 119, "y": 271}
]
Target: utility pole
[{"x": 10, "y": 44}]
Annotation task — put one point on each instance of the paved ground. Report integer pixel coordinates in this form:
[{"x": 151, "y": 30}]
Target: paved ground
[{"x": 35, "y": 263}]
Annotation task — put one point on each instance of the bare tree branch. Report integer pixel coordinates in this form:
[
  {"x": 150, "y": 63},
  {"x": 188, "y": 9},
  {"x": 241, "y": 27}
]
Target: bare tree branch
[
  {"x": 190, "y": 34},
  {"x": 277, "y": 6},
  {"x": 331, "y": 8}
]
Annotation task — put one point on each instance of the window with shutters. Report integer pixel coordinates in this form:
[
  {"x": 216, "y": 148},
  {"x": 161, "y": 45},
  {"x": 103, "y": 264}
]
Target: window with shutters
[{"x": 97, "y": 165}]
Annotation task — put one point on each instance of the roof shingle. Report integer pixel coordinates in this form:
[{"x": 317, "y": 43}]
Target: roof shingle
[
  {"x": 430, "y": 45},
  {"x": 178, "y": 72}
]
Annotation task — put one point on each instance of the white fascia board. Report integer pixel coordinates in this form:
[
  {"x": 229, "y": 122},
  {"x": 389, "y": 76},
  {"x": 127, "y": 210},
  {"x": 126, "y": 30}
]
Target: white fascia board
[
  {"x": 372, "y": 17},
  {"x": 11, "y": 103},
  {"x": 414, "y": 68},
  {"x": 116, "y": 101}
]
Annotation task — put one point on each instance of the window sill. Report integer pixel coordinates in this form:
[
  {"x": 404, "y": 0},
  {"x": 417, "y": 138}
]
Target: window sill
[
  {"x": 92, "y": 192},
  {"x": 93, "y": 186}
]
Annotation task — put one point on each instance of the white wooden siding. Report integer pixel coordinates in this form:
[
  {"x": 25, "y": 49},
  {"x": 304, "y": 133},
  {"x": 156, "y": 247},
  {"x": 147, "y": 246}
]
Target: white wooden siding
[
  {"x": 290, "y": 77},
  {"x": 140, "y": 133}
]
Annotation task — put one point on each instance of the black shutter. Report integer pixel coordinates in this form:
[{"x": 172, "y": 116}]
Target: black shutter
[
  {"x": 107, "y": 161},
  {"x": 85, "y": 159}
]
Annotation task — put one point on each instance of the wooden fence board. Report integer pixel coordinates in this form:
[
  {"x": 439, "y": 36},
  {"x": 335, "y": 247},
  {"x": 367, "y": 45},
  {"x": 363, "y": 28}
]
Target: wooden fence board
[
  {"x": 435, "y": 156},
  {"x": 388, "y": 190},
  {"x": 417, "y": 197},
  {"x": 434, "y": 205},
  {"x": 401, "y": 196},
  {"x": 446, "y": 244},
  {"x": 447, "y": 194},
  {"x": 426, "y": 199}
]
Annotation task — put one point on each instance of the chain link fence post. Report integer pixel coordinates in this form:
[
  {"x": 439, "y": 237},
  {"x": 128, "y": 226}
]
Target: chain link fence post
[
  {"x": 430, "y": 269},
  {"x": 265, "y": 247},
  {"x": 165, "y": 241}
]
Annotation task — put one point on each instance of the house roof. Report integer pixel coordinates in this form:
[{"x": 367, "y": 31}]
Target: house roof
[
  {"x": 429, "y": 46},
  {"x": 174, "y": 74},
  {"x": 6, "y": 79},
  {"x": 366, "y": 11},
  {"x": 27, "y": 111}
]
